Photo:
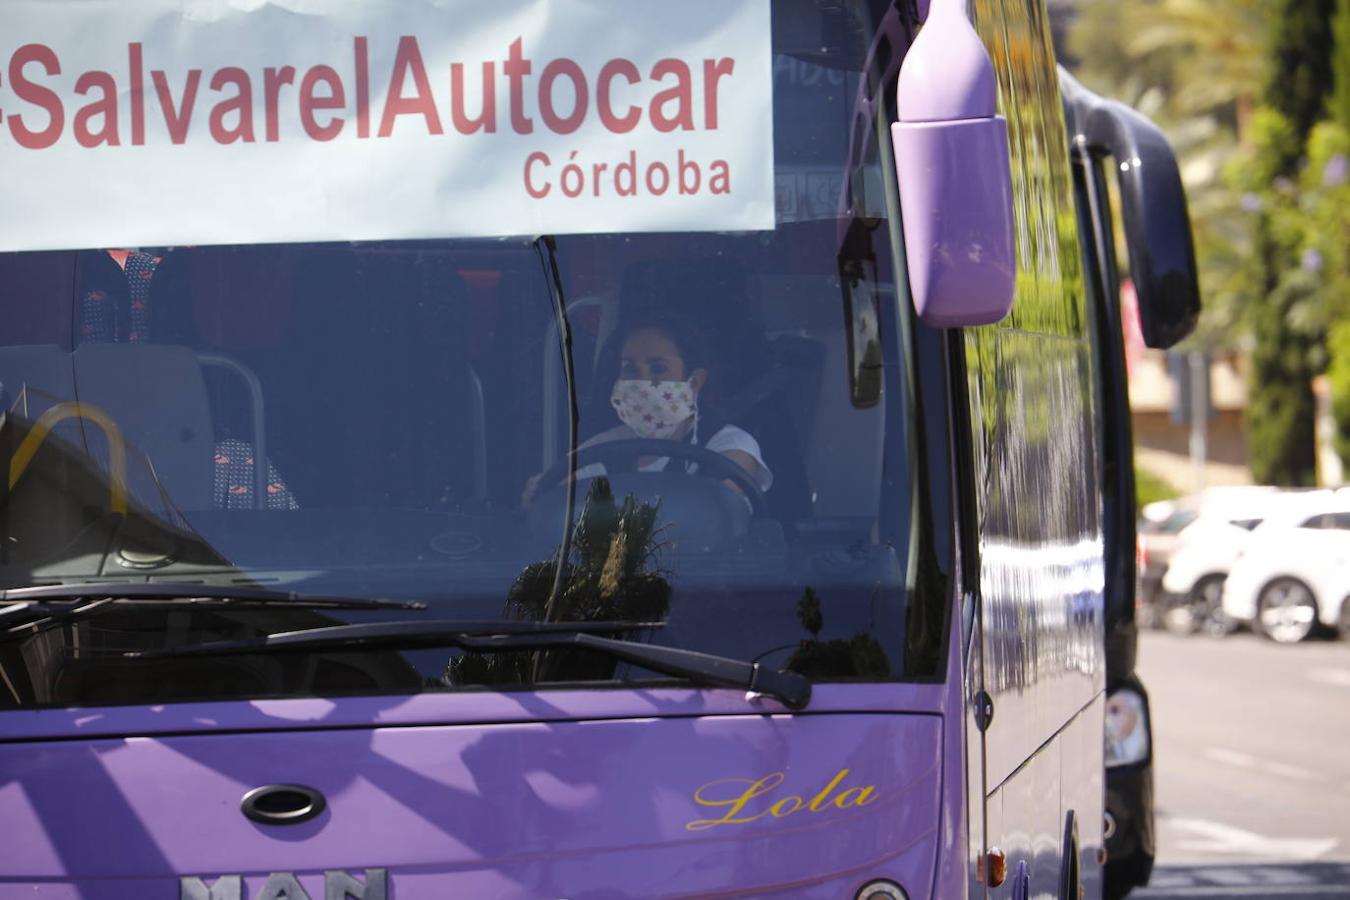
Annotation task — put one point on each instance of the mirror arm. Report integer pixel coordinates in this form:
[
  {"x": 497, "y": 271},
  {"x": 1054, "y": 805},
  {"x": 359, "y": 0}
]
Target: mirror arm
[{"x": 1153, "y": 208}]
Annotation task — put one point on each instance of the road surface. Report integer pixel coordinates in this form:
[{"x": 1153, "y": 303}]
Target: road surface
[{"x": 1252, "y": 766}]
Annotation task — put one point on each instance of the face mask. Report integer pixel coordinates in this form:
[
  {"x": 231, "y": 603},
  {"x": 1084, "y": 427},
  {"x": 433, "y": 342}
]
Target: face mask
[{"x": 653, "y": 410}]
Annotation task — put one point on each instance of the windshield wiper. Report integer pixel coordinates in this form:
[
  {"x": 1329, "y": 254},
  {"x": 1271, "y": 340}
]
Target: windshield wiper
[
  {"x": 547, "y": 248},
  {"x": 29, "y": 610},
  {"x": 793, "y": 689}
]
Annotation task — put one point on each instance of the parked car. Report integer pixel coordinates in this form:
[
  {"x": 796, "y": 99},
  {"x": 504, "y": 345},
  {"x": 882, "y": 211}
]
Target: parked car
[
  {"x": 1159, "y": 525},
  {"x": 1164, "y": 528},
  {"x": 1204, "y": 552},
  {"x": 1294, "y": 573}
]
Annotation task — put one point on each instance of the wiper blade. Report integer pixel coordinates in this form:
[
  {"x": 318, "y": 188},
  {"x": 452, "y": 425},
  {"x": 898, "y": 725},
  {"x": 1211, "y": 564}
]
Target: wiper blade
[
  {"x": 29, "y": 610},
  {"x": 189, "y": 592},
  {"x": 793, "y": 689}
]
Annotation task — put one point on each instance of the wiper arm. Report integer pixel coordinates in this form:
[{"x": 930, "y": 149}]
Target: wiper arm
[
  {"x": 33, "y": 609},
  {"x": 793, "y": 689},
  {"x": 190, "y": 592},
  {"x": 547, "y": 248}
]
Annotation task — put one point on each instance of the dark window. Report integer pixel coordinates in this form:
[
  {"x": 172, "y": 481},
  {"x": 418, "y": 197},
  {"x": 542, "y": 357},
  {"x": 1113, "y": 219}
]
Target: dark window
[{"x": 390, "y": 419}]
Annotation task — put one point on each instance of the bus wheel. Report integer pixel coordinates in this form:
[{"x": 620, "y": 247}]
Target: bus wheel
[
  {"x": 1286, "y": 611},
  {"x": 1070, "y": 870}
]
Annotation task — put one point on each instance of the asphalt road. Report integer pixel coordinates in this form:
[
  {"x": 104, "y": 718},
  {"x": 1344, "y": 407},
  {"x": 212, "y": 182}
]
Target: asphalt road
[{"x": 1251, "y": 766}]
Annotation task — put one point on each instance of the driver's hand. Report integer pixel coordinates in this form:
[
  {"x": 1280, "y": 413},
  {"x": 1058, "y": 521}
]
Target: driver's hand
[
  {"x": 746, "y": 462},
  {"x": 531, "y": 488}
]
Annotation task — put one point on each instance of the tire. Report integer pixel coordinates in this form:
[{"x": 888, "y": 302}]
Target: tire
[
  {"x": 1207, "y": 600},
  {"x": 1178, "y": 615},
  {"x": 1070, "y": 877},
  {"x": 1286, "y": 611},
  {"x": 1199, "y": 610}
]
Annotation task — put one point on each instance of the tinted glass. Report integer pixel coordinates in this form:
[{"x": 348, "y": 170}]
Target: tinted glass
[
  {"x": 1173, "y": 523},
  {"x": 394, "y": 419}
]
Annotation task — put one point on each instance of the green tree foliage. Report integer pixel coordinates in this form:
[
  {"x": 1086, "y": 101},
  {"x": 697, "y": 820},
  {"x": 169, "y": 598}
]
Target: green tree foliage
[
  {"x": 1299, "y": 62},
  {"x": 1338, "y": 373},
  {"x": 1242, "y": 87},
  {"x": 1211, "y": 50},
  {"x": 1338, "y": 107},
  {"x": 1194, "y": 67},
  {"x": 1286, "y": 311},
  {"x": 855, "y": 657},
  {"x": 1150, "y": 488},
  {"x": 1280, "y": 406},
  {"x": 1325, "y": 187}
]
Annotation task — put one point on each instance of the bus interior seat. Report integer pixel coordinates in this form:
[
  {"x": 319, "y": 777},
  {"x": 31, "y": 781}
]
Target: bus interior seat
[
  {"x": 341, "y": 429},
  {"x": 516, "y": 333},
  {"x": 37, "y": 332},
  {"x": 161, "y": 315},
  {"x": 37, "y": 369},
  {"x": 592, "y": 379},
  {"x": 840, "y": 463},
  {"x": 157, "y": 396},
  {"x": 426, "y": 308},
  {"x": 233, "y": 301},
  {"x": 102, "y": 298}
]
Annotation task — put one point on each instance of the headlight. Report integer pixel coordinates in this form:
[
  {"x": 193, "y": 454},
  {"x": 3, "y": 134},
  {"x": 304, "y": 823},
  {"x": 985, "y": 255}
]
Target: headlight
[
  {"x": 1126, "y": 728},
  {"x": 881, "y": 890}
]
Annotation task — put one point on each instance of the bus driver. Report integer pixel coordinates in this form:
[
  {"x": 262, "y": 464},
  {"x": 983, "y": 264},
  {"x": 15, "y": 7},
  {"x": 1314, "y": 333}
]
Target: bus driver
[{"x": 663, "y": 372}]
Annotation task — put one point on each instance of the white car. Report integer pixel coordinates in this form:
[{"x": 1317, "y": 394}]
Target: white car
[
  {"x": 1182, "y": 572},
  {"x": 1192, "y": 586},
  {"x": 1294, "y": 572}
]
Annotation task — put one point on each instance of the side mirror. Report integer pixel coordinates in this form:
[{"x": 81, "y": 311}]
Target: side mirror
[
  {"x": 953, "y": 170},
  {"x": 1152, "y": 205}
]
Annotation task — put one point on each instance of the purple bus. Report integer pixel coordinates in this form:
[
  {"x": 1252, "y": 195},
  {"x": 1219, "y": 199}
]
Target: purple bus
[{"x": 448, "y": 455}]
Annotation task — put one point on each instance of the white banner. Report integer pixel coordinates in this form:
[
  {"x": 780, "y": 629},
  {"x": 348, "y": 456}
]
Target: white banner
[{"x": 153, "y": 122}]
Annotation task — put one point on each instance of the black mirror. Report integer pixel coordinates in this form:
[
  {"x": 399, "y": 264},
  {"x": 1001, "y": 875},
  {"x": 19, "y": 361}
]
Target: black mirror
[{"x": 1153, "y": 207}]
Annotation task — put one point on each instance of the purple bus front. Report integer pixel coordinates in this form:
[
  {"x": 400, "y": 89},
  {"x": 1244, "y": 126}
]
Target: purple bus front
[{"x": 349, "y": 561}]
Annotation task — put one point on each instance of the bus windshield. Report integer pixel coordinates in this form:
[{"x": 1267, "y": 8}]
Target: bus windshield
[{"x": 401, "y": 419}]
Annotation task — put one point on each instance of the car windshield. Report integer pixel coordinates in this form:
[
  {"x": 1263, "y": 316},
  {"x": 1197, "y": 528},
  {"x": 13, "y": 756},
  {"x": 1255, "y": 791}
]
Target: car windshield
[
  {"x": 1173, "y": 524},
  {"x": 394, "y": 419}
]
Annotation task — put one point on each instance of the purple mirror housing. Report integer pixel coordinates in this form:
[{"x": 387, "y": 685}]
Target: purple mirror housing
[{"x": 952, "y": 166}]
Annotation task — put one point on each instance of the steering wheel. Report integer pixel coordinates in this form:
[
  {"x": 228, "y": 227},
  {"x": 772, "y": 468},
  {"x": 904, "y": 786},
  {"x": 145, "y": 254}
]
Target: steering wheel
[{"x": 622, "y": 454}]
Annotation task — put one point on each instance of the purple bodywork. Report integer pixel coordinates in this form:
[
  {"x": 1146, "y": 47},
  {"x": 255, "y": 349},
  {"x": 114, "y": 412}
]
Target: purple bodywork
[
  {"x": 599, "y": 793},
  {"x": 952, "y": 166}
]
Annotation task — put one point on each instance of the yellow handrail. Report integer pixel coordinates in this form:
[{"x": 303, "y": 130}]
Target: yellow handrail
[{"x": 73, "y": 409}]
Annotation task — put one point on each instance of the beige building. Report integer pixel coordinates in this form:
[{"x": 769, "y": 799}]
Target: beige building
[{"x": 1163, "y": 446}]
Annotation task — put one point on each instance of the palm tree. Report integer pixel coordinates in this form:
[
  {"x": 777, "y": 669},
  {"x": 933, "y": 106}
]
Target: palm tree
[
  {"x": 612, "y": 574},
  {"x": 1215, "y": 47}
]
